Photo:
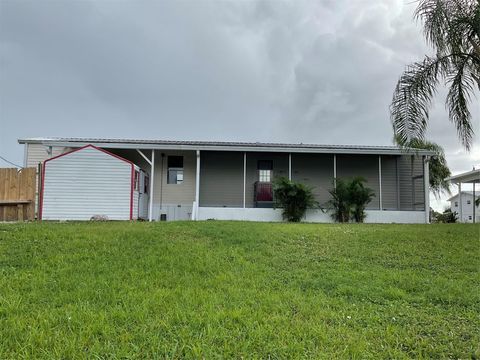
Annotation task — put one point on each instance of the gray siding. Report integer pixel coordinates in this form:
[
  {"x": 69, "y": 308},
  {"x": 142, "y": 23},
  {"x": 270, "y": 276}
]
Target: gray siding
[
  {"x": 280, "y": 168},
  {"x": 221, "y": 179},
  {"x": 315, "y": 170},
  {"x": 366, "y": 166},
  {"x": 411, "y": 190},
  {"x": 389, "y": 183}
]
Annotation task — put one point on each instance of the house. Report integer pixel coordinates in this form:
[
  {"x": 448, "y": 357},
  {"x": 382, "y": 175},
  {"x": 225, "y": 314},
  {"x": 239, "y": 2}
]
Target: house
[
  {"x": 90, "y": 182},
  {"x": 203, "y": 180},
  {"x": 467, "y": 203},
  {"x": 464, "y": 202}
]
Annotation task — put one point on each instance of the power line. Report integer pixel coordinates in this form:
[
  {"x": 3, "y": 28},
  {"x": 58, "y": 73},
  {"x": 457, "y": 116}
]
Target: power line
[{"x": 11, "y": 163}]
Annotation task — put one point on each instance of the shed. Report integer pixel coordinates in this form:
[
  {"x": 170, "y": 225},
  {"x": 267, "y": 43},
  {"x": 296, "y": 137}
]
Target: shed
[{"x": 90, "y": 181}]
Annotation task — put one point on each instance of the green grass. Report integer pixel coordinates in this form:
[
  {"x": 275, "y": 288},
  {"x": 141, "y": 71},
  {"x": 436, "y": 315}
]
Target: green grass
[{"x": 237, "y": 289}]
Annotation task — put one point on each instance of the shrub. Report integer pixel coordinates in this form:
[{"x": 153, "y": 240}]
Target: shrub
[
  {"x": 349, "y": 199},
  {"x": 447, "y": 217},
  {"x": 340, "y": 201},
  {"x": 360, "y": 196},
  {"x": 294, "y": 198}
]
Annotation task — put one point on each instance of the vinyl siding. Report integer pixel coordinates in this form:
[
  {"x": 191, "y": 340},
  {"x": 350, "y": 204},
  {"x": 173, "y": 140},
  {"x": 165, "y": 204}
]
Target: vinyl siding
[
  {"x": 221, "y": 179},
  {"x": 85, "y": 183},
  {"x": 366, "y": 166},
  {"x": 389, "y": 183},
  {"x": 175, "y": 194},
  {"x": 315, "y": 170},
  {"x": 411, "y": 190},
  {"x": 37, "y": 153}
]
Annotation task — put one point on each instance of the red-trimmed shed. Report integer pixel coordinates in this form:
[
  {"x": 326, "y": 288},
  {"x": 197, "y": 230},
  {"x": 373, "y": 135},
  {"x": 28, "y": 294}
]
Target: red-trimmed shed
[{"x": 89, "y": 182}]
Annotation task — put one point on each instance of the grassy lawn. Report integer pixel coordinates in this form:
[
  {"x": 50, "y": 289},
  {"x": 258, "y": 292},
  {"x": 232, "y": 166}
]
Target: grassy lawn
[{"x": 233, "y": 289}]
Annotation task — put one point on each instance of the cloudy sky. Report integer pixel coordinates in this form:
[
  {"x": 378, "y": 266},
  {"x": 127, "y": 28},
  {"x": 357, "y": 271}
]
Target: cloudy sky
[{"x": 290, "y": 71}]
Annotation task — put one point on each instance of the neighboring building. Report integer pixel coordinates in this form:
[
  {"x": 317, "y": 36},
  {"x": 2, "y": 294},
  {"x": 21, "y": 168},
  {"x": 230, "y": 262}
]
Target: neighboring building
[
  {"x": 470, "y": 177},
  {"x": 469, "y": 210},
  {"x": 233, "y": 181}
]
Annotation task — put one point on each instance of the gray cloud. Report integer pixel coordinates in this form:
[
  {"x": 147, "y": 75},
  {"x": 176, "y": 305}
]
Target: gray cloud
[{"x": 298, "y": 71}]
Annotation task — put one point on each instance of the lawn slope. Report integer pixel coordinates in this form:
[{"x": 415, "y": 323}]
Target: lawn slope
[{"x": 232, "y": 289}]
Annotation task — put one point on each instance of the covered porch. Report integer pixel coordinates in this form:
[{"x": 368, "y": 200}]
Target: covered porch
[{"x": 470, "y": 178}]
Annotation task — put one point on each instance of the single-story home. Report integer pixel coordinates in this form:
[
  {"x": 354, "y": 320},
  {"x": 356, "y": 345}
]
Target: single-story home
[{"x": 203, "y": 180}]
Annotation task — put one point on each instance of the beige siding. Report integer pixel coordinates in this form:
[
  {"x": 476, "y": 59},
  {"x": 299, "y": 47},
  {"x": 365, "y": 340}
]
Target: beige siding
[
  {"x": 366, "y": 166},
  {"x": 37, "y": 153},
  {"x": 175, "y": 194},
  {"x": 221, "y": 179},
  {"x": 315, "y": 170}
]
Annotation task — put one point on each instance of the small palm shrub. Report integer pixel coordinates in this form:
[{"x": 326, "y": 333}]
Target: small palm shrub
[
  {"x": 340, "y": 201},
  {"x": 349, "y": 199},
  {"x": 360, "y": 196},
  {"x": 294, "y": 198}
]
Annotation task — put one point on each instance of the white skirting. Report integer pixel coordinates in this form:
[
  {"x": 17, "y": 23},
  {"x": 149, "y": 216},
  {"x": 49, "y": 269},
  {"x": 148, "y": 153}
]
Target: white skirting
[{"x": 260, "y": 214}]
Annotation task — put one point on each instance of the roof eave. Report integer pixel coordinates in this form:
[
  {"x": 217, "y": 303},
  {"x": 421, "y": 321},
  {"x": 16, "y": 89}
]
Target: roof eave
[{"x": 224, "y": 147}]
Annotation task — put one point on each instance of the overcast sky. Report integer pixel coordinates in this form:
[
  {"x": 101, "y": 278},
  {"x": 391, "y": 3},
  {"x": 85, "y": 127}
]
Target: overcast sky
[{"x": 282, "y": 71}]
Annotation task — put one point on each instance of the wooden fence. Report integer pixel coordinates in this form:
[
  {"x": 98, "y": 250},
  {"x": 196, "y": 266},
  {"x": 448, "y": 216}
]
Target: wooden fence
[{"x": 17, "y": 194}]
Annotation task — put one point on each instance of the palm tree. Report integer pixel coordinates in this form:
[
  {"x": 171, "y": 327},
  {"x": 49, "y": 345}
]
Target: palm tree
[
  {"x": 438, "y": 169},
  {"x": 452, "y": 27}
]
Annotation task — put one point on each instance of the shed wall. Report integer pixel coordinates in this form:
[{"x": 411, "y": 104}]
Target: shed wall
[{"x": 85, "y": 183}]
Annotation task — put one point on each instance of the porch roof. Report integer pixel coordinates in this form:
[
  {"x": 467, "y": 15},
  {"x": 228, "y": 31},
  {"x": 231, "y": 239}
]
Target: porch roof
[
  {"x": 466, "y": 177},
  {"x": 223, "y": 146}
]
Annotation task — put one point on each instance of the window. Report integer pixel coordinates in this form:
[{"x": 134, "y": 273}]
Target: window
[
  {"x": 469, "y": 217},
  {"x": 137, "y": 180},
  {"x": 175, "y": 170},
  {"x": 456, "y": 203},
  {"x": 468, "y": 202},
  {"x": 146, "y": 183},
  {"x": 265, "y": 170}
]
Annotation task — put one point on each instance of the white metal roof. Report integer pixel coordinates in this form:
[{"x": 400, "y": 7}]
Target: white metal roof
[
  {"x": 466, "y": 177},
  {"x": 468, "y": 193},
  {"x": 223, "y": 146}
]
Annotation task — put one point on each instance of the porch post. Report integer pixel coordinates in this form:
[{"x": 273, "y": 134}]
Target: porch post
[
  {"x": 334, "y": 170},
  {"x": 473, "y": 202},
  {"x": 426, "y": 182},
  {"x": 197, "y": 186},
  {"x": 290, "y": 166},
  {"x": 244, "y": 177},
  {"x": 152, "y": 178},
  {"x": 380, "y": 181},
  {"x": 460, "y": 218}
]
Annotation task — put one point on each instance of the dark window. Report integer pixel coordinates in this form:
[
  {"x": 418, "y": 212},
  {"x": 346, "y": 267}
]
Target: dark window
[
  {"x": 137, "y": 180},
  {"x": 175, "y": 170},
  {"x": 456, "y": 203},
  {"x": 146, "y": 183},
  {"x": 468, "y": 202},
  {"x": 265, "y": 168}
]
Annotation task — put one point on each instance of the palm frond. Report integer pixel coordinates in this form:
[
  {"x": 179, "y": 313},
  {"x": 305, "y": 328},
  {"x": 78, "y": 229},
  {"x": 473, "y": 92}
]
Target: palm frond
[
  {"x": 458, "y": 99},
  {"x": 412, "y": 98}
]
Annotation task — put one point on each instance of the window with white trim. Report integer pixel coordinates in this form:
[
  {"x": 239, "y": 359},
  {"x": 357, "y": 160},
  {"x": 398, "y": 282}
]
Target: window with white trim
[
  {"x": 175, "y": 170},
  {"x": 265, "y": 168}
]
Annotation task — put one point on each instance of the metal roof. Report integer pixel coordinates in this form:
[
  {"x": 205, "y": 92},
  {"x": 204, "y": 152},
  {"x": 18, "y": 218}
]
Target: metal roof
[
  {"x": 222, "y": 145},
  {"x": 466, "y": 177}
]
